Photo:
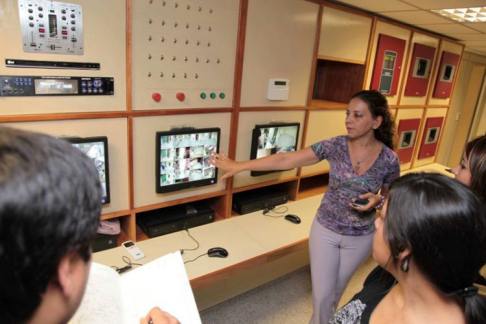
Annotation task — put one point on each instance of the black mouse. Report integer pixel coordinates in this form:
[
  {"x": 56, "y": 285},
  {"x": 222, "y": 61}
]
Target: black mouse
[
  {"x": 218, "y": 252},
  {"x": 293, "y": 218}
]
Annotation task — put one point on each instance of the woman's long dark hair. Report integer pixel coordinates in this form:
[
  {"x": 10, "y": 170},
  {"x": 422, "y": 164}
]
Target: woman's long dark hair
[
  {"x": 442, "y": 223},
  {"x": 476, "y": 156},
  {"x": 378, "y": 106}
]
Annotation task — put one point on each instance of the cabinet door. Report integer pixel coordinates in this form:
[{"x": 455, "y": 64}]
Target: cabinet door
[{"x": 338, "y": 25}]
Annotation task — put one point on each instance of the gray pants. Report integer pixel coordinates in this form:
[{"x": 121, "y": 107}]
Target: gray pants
[{"x": 333, "y": 259}]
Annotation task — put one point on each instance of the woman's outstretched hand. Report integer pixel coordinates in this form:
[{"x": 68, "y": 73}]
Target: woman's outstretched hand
[{"x": 222, "y": 162}]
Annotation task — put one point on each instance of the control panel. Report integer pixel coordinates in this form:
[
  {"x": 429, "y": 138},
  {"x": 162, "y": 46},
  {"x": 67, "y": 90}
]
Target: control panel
[
  {"x": 184, "y": 53},
  {"x": 51, "y": 27},
  {"x": 21, "y": 86},
  {"x": 278, "y": 89}
]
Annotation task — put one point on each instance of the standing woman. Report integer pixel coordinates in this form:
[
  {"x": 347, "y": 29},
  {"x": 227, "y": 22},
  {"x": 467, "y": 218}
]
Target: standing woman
[{"x": 362, "y": 164}]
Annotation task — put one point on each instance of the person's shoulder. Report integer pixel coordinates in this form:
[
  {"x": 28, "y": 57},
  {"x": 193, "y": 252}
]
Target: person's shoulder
[
  {"x": 389, "y": 154},
  {"x": 333, "y": 141},
  {"x": 338, "y": 140}
]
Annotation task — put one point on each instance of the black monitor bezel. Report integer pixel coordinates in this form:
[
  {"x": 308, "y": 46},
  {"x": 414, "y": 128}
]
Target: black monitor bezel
[
  {"x": 183, "y": 185},
  {"x": 254, "y": 143},
  {"x": 92, "y": 139}
]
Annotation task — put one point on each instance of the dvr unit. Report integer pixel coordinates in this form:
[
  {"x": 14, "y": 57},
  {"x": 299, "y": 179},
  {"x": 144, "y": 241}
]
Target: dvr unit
[
  {"x": 258, "y": 199},
  {"x": 104, "y": 242},
  {"x": 172, "y": 219}
]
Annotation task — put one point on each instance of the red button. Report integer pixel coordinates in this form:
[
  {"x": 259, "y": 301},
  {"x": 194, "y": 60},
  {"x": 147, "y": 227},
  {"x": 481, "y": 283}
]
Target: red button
[
  {"x": 156, "y": 96},
  {"x": 180, "y": 96},
  {"x": 42, "y": 30},
  {"x": 64, "y": 32}
]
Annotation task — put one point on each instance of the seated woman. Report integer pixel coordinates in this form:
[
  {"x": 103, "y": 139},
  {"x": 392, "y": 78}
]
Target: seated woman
[
  {"x": 431, "y": 239},
  {"x": 472, "y": 172}
]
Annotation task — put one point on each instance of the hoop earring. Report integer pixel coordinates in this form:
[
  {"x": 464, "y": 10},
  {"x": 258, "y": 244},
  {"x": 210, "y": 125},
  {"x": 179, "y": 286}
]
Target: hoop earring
[{"x": 404, "y": 265}]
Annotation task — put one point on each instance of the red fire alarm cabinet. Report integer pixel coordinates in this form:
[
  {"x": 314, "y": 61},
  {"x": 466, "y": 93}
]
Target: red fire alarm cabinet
[
  {"x": 407, "y": 132},
  {"x": 430, "y": 137},
  {"x": 446, "y": 74},
  {"x": 388, "y": 64},
  {"x": 418, "y": 75}
]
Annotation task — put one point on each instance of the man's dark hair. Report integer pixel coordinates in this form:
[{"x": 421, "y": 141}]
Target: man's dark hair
[{"x": 49, "y": 205}]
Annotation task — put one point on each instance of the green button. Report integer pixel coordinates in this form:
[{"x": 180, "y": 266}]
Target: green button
[
  {"x": 212, "y": 95},
  {"x": 203, "y": 95},
  {"x": 222, "y": 95}
]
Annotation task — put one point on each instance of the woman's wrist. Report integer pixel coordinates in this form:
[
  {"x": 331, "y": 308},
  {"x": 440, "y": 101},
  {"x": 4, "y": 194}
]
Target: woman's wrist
[{"x": 381, "y": 203}]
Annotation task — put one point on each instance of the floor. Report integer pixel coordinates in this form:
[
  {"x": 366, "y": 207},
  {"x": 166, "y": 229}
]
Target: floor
[{"x": 286, "y": 300}]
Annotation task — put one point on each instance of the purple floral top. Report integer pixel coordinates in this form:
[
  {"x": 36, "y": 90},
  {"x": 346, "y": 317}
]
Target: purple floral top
[{"x": 334, "y": 212}]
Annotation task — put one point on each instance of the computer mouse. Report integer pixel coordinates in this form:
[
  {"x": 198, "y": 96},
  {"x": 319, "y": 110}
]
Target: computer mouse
[
  {"x": 293, "y": 218},
  {"x": 218, "y": 252}
]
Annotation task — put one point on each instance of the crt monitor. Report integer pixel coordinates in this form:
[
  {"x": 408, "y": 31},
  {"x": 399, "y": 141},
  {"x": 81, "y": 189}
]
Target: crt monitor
[
  {"x": 182, "y": 158},
  {"x": 97, "y": 149},
  {"x": 273, "y": 139}
]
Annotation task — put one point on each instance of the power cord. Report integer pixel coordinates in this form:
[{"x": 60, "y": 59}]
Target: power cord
[
  {"x": 197, "y": 247},
  {"x": 195, "y": 258},
  {"x": 276, "y": 210},
  {"x": 127, "y": 267}
]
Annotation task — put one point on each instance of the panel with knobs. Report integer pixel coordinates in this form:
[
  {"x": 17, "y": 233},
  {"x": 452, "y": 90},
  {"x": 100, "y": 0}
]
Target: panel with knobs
[{"x": 183, "y": 53}]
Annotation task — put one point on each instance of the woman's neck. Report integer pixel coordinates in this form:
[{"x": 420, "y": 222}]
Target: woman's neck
[
  {"x": 364, "y": 141},
  {"x": 418, "y": 301}
]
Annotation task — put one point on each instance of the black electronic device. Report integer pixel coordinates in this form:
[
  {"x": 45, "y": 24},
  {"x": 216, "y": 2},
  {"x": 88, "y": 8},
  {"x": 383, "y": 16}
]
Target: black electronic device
[
  {"x": 360, "y": 202},
  {"x": 172, "y": 219},
  {"x": 182, "y": 158},
  {"x": 273, "y": 139},
  {"x": 15, "y": 63},
  {"x": 218, "y": 252},
  {"x": 96, "y": 148},
  {"x": 25, "y": 86},
  {"x": 293, "y": 218},
  {"x": 258, "y": 199},
  {"x": 104, "y": 242}
]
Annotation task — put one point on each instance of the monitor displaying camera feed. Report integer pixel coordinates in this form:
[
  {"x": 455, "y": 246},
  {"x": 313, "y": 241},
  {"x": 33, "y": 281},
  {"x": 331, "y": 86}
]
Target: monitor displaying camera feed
[
  {"x": 96, "y": 148},
  {"x": 182, "y": 158},
  {"x": 273, "y": 139}
]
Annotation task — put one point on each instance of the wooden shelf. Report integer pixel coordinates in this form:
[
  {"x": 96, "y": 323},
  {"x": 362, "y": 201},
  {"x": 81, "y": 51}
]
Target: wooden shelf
[
  {"x": 337, "y": 81},
  {"x": 264, "y": 184},
  {"x": 325, "y": 104},
  {"x": 313, "y": 185}
]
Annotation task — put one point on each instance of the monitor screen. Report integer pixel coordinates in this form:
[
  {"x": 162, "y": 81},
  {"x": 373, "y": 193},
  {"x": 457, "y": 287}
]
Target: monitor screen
[
  {"x": 182, "y": 158},
  {"x": 273, "y": 139},
  {"x": 96, "y": 148}
]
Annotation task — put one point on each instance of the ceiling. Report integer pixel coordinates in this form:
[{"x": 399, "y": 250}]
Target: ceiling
[{"x": 417, "y": 13}]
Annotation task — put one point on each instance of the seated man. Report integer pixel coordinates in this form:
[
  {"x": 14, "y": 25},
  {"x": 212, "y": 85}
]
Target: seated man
[{"x": 49, "y": 212}]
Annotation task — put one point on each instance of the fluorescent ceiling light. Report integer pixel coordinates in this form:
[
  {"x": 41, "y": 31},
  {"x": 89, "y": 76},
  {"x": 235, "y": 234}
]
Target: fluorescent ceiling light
[{"x": 476, "y": 14}]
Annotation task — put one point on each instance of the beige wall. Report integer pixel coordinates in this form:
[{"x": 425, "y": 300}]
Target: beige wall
[
  {"x": 279, "y": 44},
  {"x": 462, "y": 105},
  {"x": 116, "y": 131},
  {"x": 338, "y": 25},
  {"x": 104, "y": 43}
]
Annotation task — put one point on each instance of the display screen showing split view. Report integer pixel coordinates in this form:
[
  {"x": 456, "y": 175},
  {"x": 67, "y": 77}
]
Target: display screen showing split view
[
  {"x": 182, "y": 159},
  {"x": 273, "y": 139},
  {"x": 96, "y": 148}
]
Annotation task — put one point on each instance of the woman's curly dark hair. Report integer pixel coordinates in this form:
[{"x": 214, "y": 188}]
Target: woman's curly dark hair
[{"x": 378, "y": 106}]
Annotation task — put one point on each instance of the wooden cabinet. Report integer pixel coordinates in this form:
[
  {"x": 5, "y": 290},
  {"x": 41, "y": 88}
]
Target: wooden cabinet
[{"x": 220, "y": 56}]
